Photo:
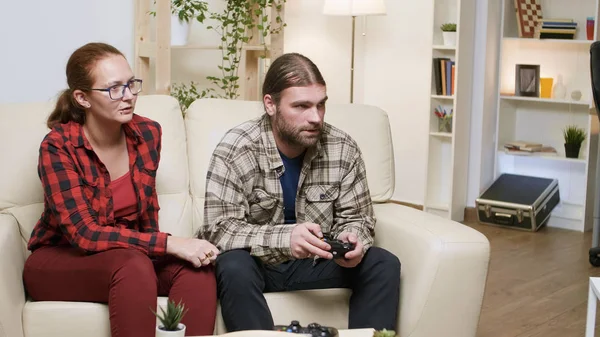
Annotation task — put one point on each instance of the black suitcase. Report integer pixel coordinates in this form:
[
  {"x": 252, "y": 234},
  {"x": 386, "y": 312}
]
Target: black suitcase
[{"x": 518, "y": 201}]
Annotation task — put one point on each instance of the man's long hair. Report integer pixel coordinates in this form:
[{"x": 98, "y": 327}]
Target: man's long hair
[{"x": 290, "y": 70}]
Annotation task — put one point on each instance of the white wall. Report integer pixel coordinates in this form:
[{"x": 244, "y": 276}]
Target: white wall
[
  {"x": 38, "y": 36},
  {"x": 393, "y": 53},
  {"x": 326, "y": 40},
  {"x": 391, "y": 60}
]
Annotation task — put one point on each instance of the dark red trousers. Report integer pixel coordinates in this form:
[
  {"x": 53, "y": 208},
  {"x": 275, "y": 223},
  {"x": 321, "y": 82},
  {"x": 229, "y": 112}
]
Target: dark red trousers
[{"x": 129, "y": 281}]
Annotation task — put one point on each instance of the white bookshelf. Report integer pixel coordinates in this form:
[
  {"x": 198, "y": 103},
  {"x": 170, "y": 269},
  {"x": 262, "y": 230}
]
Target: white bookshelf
[
  {"x": 447, "y": 159},
  {"x": 542, "y": 120}
]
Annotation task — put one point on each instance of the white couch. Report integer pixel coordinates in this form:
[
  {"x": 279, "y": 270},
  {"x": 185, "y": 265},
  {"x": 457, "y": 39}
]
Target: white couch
[{"x": 444, "y": 263}]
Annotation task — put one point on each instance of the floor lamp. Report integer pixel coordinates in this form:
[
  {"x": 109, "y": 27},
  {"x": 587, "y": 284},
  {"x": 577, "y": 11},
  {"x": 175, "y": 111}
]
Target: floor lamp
[{"x": 353, "y": 8}]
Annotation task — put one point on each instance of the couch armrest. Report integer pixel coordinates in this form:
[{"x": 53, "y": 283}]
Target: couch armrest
[
  {"x": 444, "y": 270},
  {"x": 12, "y": 293}
]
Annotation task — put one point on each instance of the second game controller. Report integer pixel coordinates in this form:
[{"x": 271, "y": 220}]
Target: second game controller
[
  {"x": 312, "y": 330},
  {"x": 338, "y": 248}
]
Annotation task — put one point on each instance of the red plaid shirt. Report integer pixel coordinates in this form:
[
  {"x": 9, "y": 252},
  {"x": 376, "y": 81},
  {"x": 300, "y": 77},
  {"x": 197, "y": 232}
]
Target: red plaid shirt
[{"x": 77, "y": 198}]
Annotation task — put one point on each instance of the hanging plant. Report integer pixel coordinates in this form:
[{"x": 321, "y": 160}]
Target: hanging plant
[{"x": 235, "y": 25}]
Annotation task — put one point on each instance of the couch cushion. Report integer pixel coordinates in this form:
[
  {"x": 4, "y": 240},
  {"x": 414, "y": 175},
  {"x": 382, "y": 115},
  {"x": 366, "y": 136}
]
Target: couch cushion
[
  {"x": 172, "y": 179},
  {"x": 20, "y": 189},
  {"x": 207, "y": 120},
  {"x": 20, "y": 137},
  {"x": 54, "y": 319},
  {"x": 21, "y": 132}
]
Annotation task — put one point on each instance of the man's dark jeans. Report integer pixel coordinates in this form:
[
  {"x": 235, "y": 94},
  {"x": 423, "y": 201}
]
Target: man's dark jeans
[{"x": 242, "y": 280}]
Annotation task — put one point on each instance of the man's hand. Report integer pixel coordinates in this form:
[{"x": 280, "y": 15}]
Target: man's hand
[
  {"x": 353, "y": 258},
  {"x": 306, "y": 242},
  {"x": 196, "y": 251}
]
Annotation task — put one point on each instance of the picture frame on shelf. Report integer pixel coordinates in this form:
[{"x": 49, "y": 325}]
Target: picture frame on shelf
[{"x": 527, "y": 80}]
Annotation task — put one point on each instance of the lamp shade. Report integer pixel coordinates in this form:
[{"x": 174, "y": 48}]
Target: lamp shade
[{"x": 354, "y": 7}]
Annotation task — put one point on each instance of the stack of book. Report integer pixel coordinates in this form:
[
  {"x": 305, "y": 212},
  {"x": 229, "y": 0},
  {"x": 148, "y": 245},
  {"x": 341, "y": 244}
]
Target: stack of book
[
  {"x": 556, "y": 29},
  {"x": 444, "y": 72},
  {"x": 524, "y": 148}
]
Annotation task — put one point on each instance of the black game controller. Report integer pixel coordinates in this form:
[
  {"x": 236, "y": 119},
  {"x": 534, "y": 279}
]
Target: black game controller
[
  {"x": 312, "y": 330},
  {"x": 338, "y": 248}
]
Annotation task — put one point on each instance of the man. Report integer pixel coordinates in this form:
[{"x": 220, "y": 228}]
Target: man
[{"x": 275, "y": 185}]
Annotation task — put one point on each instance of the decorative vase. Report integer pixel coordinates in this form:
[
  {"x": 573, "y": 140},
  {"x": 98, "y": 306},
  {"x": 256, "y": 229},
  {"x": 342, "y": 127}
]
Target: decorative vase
[
  {"x": 449, "y": 38},
  {"x": 572, "y": 150},
  {"x": 163, "y": 333},
  {"x": 559, "y": 91},
  {"x": 180, "y": 30},
  {"x": 445, "y": 124},
  {"x": 576, "y": 95},
  {"x": 590, "y": 27},
  {"x": 546, "y": 87}
]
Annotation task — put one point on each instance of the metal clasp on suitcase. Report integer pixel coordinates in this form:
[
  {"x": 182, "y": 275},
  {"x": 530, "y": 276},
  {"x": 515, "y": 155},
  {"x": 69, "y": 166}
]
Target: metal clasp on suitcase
[
  {"x": 488, "y": 213},
  {"x": 508, "y": 216}
]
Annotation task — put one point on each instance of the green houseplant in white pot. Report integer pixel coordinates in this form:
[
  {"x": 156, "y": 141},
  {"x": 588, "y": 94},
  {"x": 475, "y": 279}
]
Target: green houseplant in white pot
[
  {"x": 449, "y": 34},
  {"x": 574, "y": 137},
  {"x": 170, "y": 320},
  {"x": 183, "y": 12}
]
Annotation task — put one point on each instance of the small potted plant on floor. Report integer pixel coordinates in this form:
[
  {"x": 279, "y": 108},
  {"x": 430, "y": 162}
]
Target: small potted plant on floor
[
  {"x": 449, "y": 34},
  {"x": 384, "y": 333},
  {"x": 170, "y": 320},
  {"x": 574, "y": 136}
]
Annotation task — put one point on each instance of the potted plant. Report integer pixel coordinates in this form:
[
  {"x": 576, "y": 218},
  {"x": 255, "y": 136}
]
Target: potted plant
[
  {"x": 384, "y": 333},
  {"x": 170, "y": 320},
  {"x": 574, "y": 136},
  {"x": 449, "y": 34},
  {"x": 182, "y": 13}
]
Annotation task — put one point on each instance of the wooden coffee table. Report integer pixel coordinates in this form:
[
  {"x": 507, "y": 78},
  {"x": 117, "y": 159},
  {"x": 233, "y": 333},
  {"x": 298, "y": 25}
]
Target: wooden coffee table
[{"x": 263, "y": 333}]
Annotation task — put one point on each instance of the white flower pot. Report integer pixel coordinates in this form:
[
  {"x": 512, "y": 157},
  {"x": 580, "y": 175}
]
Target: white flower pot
[
  {"x": 179, "y": 31},
  {"x": 178, "y": 333},
  {"x": 449, "y": 38}
]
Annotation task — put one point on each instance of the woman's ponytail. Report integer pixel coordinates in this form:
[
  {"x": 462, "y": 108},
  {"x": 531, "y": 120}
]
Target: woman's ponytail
[{"x": 66, "y": 110}]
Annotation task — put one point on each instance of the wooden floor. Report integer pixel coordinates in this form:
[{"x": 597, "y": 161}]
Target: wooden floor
[{"x": 537, "y": 283}]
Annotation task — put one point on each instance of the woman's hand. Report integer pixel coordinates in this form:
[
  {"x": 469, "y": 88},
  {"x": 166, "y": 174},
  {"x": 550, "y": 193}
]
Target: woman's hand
[{"x": 196, "y": 251}]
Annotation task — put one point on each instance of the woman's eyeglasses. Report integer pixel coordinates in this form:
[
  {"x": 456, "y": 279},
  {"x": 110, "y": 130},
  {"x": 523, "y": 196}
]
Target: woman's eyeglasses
[{"x": 117, "y": 91}]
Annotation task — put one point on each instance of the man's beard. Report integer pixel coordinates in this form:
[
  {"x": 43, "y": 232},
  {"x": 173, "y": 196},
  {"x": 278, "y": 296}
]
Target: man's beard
[{"x": 292, "y": 135}]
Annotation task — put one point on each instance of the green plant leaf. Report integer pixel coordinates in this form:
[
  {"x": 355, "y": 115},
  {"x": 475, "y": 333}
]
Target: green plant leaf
[
  {"x": 573, "y": 134},
  {"x": 171, "y": 318},
  {"x": 235, "y": 23},
  {"x": 448, "y": 27}
]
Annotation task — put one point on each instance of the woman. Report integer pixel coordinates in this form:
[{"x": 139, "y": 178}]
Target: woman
[{"x": 98, "y": 238}]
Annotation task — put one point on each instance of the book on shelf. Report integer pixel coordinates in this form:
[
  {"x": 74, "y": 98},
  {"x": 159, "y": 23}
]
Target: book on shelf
[
  {"x": 564, "y": 29},
  {"x": 528, "y": 148},
  {"x": 444, "y": 72}
]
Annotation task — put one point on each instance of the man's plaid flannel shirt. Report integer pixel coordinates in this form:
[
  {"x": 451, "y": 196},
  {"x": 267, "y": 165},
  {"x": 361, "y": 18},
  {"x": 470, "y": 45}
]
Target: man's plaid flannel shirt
[{"x": 244, "y": 199}]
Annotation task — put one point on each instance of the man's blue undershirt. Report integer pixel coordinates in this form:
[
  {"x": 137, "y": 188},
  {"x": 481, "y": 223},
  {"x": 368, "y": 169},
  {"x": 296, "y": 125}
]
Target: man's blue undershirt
[{"x": 289, "y": 185}]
